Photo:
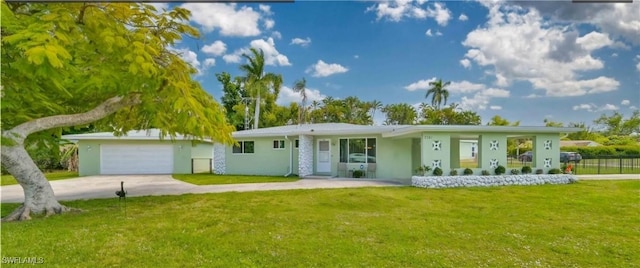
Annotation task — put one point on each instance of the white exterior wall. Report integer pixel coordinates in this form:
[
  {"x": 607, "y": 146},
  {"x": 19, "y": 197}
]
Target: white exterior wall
[
  {"x": 305, "y": 155},
  {"x": 219, "y": 161}
]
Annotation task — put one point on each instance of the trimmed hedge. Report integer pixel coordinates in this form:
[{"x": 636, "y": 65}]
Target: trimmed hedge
[{"x": 604, "y": 151}]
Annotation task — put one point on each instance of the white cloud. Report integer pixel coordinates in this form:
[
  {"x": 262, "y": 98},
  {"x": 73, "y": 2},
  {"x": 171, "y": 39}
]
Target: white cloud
[
  {"x": 633, "y": 107},
  {"x": 276, "y": 35},
  {"x": 269, "y": 23},
  {"x": 422, "y": 84},
  {"x": 265, "y": 9},
  {"x": 209, "y": 62},
  {"x": 216, "y": 48},
  {"x": 614, "y": 55},
  {"x": 271, "y": 54},
  {"x": 520, "y": 46},
  {"x": 287, "y": 96},
  {"x": 398, "y": 9},
  {"x": 428, "y": 32},
  {"x": 302, "y": 42},
  {"x": 638, "y": 67},
  {"x": 464, "y": 87},
  {"x": 466, "y": 63},
  {"x": 438, "y": 33},
  {"x": 463, "y": 17},
  {"x": 625, "y": 102},
  {"x": 495, "y": 107},
  {"x": 229, "y": 18},
  {"x": 356, "y": 56},
  {"x": 323, "y": 69},
  {"x": 608, "y": 107},
  {"x": 590, "y": 107},
  {"x": 441, "y": 14}
]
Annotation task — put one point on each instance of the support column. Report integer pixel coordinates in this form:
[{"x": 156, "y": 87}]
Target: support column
[
  {"x": 455, "y": 153},
  {"x": 546, "y": 151},
  {"x": 305, "y": 155},
  {"x": 436, "y": 151},
  {"x": 492, "y": 151}
]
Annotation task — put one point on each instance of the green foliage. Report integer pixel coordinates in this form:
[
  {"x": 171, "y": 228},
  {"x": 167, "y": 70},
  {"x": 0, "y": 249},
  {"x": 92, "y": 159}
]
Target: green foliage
[
  {"x": 358, "y": 173},
  {"x": 515, "y": 171},
  {"x": 603, "y": 151},
  {"x": 526, "y": 170},
  {"x": 549, "y": 123},
  {"x": 453, "y": 172},
  {"x": 400, "y": 114},
  {"x": 616, "y": 124},
  {"x": 485, "y": 173},
  {"x": 500, "y": 170},
  {"x": 539, "y": 171},
  {"x": 451, "y": 115},
  {"x": 437, "y": 171},
  {"x": 438, "y": 92},
  {"x": 423, "y": 170},
  {"x": 555, "y": 171},
  {"x": 348, "y": 110},
  {"x": 499, "y": 121},
  {"x": 71, "y": 57},
  {"x": 467, "y": 171}
]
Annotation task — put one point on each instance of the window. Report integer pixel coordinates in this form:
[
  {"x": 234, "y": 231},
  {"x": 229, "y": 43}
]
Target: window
[
  {"x": 244, "y": 147},
  {"x": 278, "y": 144},
  {"x": 297, "y": 143},
  {"x": 358, "y": 150}
]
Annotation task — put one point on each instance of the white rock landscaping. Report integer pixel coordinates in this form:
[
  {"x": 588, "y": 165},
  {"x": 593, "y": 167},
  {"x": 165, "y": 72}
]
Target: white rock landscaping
[{"x": 492, "y": 180}]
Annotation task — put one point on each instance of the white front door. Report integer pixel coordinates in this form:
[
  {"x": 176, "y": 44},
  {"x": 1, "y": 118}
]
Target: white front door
[{"x": 323, "y": 159}]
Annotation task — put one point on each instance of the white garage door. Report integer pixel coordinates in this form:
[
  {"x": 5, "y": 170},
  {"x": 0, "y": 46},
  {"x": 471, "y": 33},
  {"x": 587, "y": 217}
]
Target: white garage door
[{"x": 136, "y": 159}]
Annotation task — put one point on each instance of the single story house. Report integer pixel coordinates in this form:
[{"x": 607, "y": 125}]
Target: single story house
[
  {"x": 394, "y": 152},
  {"x": 579, "y": 143},
  {"x": 329, "y": 149},
  {"x": 141, "y": 152}
]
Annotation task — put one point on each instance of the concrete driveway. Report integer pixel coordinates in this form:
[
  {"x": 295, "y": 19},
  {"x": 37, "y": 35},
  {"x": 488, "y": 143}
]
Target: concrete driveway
[{"x": 93, "y": 187}]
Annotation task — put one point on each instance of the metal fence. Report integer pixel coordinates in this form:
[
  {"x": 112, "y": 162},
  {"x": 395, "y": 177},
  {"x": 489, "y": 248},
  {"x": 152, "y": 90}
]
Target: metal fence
[{"x": 608, "y": 164}]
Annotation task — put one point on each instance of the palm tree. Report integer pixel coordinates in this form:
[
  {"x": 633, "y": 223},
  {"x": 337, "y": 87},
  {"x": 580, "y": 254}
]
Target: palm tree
[
  {"x": 374, "y": 105},
  {"x": 439, "y": 92},
  {"x": 300, "y": 87},
  {"x": 256, "y": 80}
]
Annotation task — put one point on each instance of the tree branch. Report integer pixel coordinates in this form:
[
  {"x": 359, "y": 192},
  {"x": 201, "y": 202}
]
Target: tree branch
[{"x": 112, "y": 105}]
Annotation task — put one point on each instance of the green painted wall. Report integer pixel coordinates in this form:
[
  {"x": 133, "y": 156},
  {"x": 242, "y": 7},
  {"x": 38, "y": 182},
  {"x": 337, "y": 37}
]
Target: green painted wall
[
  {"x": 264, "y": 161},
  {"x": 89, "y": 155},
  {"x": 540, "y": 152},
  {"x": 455, "y": 153},
  {"x": 430, "y": 154},
  {"x": 486, "y": 154},
  {"x": 202, "y": 156},
  {"x": 394, "y": 159},
  {"x": 415, "y": 154}
]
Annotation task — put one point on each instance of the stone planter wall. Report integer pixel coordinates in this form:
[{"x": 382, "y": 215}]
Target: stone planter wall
[{"x": 494, "y": 180}]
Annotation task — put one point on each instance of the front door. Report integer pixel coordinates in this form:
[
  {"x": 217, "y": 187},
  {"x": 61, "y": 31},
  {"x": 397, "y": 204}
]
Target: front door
[{"x": 323, "y": 159}]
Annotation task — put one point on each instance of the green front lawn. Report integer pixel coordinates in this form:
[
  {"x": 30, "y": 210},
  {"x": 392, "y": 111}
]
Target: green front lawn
[
  {"x": 586, "y": 224},
  {"x": 52, "y": 176},
  {"x": 209, "y": 179}
]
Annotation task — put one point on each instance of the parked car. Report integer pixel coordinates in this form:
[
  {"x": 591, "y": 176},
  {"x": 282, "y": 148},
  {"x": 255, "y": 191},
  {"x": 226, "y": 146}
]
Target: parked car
[
  {"x": 570, "y": 157},
  {"x": 361, "y": 158},
  {"x": 526, "y": 157}
]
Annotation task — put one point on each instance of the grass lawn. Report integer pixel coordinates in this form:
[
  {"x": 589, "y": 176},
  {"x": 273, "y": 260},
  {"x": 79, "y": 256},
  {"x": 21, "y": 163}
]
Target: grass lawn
[
  {"x": 209, "y": 179},
  {"x": 52, "y": 176},
  {"x": 586, "y": 224}
]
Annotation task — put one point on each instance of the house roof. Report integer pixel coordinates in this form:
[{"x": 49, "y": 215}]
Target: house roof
[
  {"x": 579, "y": 143},
  {"x": 392, "y": 130},
  {"x": 150, "y": 134}
]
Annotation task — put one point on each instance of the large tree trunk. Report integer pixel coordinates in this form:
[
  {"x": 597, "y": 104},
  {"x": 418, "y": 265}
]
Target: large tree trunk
[{"x": 38, "y": 194}]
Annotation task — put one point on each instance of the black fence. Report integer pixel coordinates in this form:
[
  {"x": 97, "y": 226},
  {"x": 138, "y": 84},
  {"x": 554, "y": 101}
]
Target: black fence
[{"x": 607, "y": 164}]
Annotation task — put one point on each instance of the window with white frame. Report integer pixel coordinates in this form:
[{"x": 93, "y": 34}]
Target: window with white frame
[
  {"x": 359, "y": 150},
  {"x": 244, "y": 147},
  {"x": 278, "y": 144}
]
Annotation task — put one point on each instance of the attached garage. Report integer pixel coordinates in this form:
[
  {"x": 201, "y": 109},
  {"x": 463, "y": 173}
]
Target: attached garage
[
  {"x": 121, "y": 159},
  {"x": 141, "y": 152}
]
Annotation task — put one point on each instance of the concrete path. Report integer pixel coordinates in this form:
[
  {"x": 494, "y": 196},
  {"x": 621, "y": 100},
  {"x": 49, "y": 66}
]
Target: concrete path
[{"x": 93, "y": 187}]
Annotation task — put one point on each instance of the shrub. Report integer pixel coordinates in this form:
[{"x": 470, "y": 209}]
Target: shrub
[
  {"x": 526, "y": 170},
  {"x": 563, "y": 166},
  {"x": 357, "y": 173},
  {"x": 437, "y": 171},
  {"x": 453, "y": 172},
  {"x": 485, "y": 173},
  {"x": 500, "y": 170},
  {"x": 539, "y": 171},
  {"x": 423, "y": 170},
  {"x": 467, "y": 171},
  {"x": 515, "y": 171},
  {"x": 554, "y": 171}
]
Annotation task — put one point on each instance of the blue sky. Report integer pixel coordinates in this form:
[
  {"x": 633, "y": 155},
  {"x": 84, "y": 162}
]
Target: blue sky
[{"x": 524, "y": 61}]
